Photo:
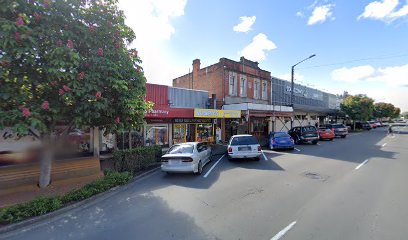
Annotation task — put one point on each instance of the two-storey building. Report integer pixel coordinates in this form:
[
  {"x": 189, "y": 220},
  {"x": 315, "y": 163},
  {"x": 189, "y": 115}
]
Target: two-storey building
[{"x": 240, "y": 86}]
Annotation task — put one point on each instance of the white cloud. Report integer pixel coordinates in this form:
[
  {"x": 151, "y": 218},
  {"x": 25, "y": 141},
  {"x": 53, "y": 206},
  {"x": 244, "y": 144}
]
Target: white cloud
[
  {"x": 393, "y": 76},
  {"x": 245, "y": 24},
  {"x": 385, "y": 10},
  {"x": 299, "y": 14},
  {"x": 288, "y": 76},
  {"x": 152, "y": 26},
  {"x": 256, "y": 50},
  {"x": 352, "y": 74},
  {"x": 321, "y": 13}
]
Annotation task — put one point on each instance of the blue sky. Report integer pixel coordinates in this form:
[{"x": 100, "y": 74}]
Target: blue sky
[{"x": 360, "y": 46}]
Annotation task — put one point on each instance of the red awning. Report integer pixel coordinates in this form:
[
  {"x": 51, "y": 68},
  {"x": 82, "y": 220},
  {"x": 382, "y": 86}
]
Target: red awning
[{"x": 167, "y": 112}]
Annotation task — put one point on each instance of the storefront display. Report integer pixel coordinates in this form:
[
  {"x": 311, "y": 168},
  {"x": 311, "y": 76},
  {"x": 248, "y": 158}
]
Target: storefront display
[
  {"x": 156, "y": 134},
  {"x": 179, "y": 133},
  {"x": 192, "y": 130},
  {"x": 204, "y": 133}
]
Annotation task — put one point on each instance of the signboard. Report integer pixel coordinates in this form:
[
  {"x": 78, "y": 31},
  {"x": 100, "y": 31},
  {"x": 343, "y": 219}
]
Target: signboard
[
  {"x": 167, "y": 112},
  {"x": 192, "y": 120},
  {"x": 214, "y": 113}
]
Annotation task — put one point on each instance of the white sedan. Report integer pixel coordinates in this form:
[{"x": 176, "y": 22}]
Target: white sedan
[
  {"x": 186, "y": 157},
  {"x": 244, "y": 146}
]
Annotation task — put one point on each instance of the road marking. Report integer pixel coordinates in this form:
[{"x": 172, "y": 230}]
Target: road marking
[
  {"x": 318, "y": 144},
  {"x": 283, "y": 231},
  {"x": 266, "y": 159},
  {"x": 297, "y": 149},
  {"x": 272, "y": 151},
  {"x": 361, "y": 164},
  {"x": 385, "y": 144},
  {"x": 213, "y": 166}
]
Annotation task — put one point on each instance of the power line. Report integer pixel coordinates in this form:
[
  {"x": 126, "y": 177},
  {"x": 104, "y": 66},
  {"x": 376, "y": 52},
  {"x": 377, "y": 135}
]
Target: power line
[{"x": 356, "y": 60}]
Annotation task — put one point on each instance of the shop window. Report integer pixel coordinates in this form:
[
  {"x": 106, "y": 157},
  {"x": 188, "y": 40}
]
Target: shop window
[
  {"x": 179, "y": 133},
  {"x": 156, "y": 135},
  {"x": 258, "y": 125},
  {"x": 204, "y": 133}
]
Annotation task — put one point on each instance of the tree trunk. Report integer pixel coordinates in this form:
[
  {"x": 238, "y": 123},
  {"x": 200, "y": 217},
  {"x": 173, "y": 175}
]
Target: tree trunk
[{"x": 46, "y": 163}]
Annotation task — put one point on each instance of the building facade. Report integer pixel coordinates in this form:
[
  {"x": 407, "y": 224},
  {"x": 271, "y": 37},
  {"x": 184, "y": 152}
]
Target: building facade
[{"x": 240, "y": 86}]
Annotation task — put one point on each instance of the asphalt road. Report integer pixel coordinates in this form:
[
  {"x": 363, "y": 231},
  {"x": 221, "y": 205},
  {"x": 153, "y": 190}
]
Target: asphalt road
[{"x": 353, "y": 188}]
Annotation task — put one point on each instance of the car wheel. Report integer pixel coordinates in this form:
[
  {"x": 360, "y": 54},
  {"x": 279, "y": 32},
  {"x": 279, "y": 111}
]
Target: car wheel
[
  {"x": 292, "y": 148},
  {"x": 297, "y": 141},
  {"x": 331, "y": 139},
  {"x": 344, "y": 136},
  {"x": 314, "y": 142},
  {"x": 199, "y": 168},
  {"x": 257, "y": 158}
]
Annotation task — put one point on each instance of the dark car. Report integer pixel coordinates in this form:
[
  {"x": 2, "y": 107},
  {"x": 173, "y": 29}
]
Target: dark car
[
  {"x": 363, "y": 125},
  {"x": 304, "y": 134},
  {"x": 340, "y": 130}
]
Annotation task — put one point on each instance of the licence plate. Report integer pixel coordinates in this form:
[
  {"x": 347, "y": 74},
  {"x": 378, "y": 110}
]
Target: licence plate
[
  {"x": 244, "y": 148},
  {"x": 173, "y": 162}
]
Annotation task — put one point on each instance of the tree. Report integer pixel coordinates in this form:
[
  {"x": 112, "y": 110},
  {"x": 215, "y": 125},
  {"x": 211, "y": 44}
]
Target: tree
[
  {"x": 68, "y": 62},
  {"x": 396, "y": 112},
  {"x": 383, "y": 110},
  {"x": 405, "y": 115},
  {"x": 358, "y": 107}
]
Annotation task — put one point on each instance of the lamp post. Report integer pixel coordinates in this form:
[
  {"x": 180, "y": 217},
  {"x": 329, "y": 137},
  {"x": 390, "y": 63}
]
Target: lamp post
[{"x": 292, "y": 90}]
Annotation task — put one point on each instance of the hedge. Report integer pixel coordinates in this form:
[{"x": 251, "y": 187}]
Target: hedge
[
  {"x": 44, "y": 205},
  {"x": 137, "y": 159}
]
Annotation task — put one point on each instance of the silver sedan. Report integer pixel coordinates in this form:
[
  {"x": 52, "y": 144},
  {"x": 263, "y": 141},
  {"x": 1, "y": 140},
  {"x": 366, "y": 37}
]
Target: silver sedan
[{"x": 186, "y": 157}]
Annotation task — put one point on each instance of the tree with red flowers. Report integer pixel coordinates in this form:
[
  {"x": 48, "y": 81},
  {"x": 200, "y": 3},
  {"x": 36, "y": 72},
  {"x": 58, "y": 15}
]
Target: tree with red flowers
[{"x": 68, "y": 62}]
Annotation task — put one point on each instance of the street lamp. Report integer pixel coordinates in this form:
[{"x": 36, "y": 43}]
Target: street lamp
[
  {"x": 293, "y": 84},
  {"x": 293, "y": 72}
]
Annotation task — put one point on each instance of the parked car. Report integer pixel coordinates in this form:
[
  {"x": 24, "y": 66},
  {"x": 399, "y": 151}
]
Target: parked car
[
  {"x": 244, "y": 146},
  {"x": 186, "y": 157},
  {"x": 372, "y": 124},
  {"x": 281, "y": 140},
  {"x": 304, "y": 134},
  {"x": 363, "y": 125},
  {"x": 326, "y": 133},
  {"x": 378, "y": 124},
  {"x": 339, "y": 129}
]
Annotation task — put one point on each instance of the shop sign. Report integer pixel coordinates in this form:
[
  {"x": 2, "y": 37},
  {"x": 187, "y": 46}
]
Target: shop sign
[
  {"x": 192, "y": 120},
  {"x": 214, "y": 113}
]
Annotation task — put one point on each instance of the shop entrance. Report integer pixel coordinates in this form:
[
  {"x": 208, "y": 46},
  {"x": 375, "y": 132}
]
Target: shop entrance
[{"x": 190, "y": 134}]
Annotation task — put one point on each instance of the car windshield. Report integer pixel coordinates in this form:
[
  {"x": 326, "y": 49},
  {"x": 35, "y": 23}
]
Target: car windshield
[
  {"x": 244, "y": 140},
  {"x": 308, "y": 129},
  {"x": 183, "y": 148},
  {"x": 280, "y": 134}
]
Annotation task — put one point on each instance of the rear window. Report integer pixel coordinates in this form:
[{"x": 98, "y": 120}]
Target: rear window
[
  {"x": 338, "y": 126},
  {"x": 245, "y": 140},
  {"x": 185, "y": 148},
  {"x": 308, "y": 129},
  {"x": 278, "y": 135}
]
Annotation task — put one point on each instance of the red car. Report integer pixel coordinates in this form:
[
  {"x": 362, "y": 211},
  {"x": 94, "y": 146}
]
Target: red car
[{"x": 326, "y": 133}]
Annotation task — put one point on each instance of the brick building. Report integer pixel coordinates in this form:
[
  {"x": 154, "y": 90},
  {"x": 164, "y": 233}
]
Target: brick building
[{"x": 237, "y": 86}]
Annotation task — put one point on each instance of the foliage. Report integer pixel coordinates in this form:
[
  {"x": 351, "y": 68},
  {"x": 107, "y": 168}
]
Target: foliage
[
  {"x": 34, "y": 208},
  {"x": 41, "y": 206},
  {"x": 110, "y": 180},
  {"x": 134, "y": 160},
  {"x": 358, "y": 107},
  {"x": 385, "y": 110},
  {"x": 404, "y": 114},
  {"x": 68, "y": 61}
]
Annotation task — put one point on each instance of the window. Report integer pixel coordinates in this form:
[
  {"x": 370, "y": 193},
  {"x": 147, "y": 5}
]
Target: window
[
  {"x": 182, "y": 148},
  {"x": 243, "y": 87},
  {"x": 232, "y": 84},
  {"x": 264, "y": 90},
  {"x": 256, "y": 88},
  {"x": 156, "y": 135},
  {"x": 244, "y": 140}
]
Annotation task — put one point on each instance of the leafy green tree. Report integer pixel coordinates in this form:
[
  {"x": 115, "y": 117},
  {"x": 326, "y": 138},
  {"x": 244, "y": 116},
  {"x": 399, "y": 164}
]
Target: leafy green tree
[
  {"x": 69, "y": 62},
  {"x": 405, "y": 115},
  {"x": 396, "y": 113},
  {"x": 358, "y": 107},
  {"x": 383, "y": 110}
]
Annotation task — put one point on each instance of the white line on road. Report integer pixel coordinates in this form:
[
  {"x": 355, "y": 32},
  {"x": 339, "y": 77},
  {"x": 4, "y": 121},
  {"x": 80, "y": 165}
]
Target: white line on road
[
  {"x": 318, "y": 144},
  {"x": 213, "y": 166},
  {"x": 361, "y": 164},
  {"x": 266, "y": 159},
  {"x": 271, "y": 151},
  {"x": 297, "y": 149},
  {"x": 283, "y": 231},
  {"x": 385, "y": 144}
]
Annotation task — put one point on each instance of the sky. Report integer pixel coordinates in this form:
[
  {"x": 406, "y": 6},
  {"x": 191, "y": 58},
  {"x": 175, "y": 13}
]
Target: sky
[{"x": 361, "y": 46}]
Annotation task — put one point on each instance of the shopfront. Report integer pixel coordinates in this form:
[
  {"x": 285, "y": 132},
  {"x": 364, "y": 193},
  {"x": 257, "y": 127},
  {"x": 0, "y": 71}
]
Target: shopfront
[{"x": 193, "y": 130}]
